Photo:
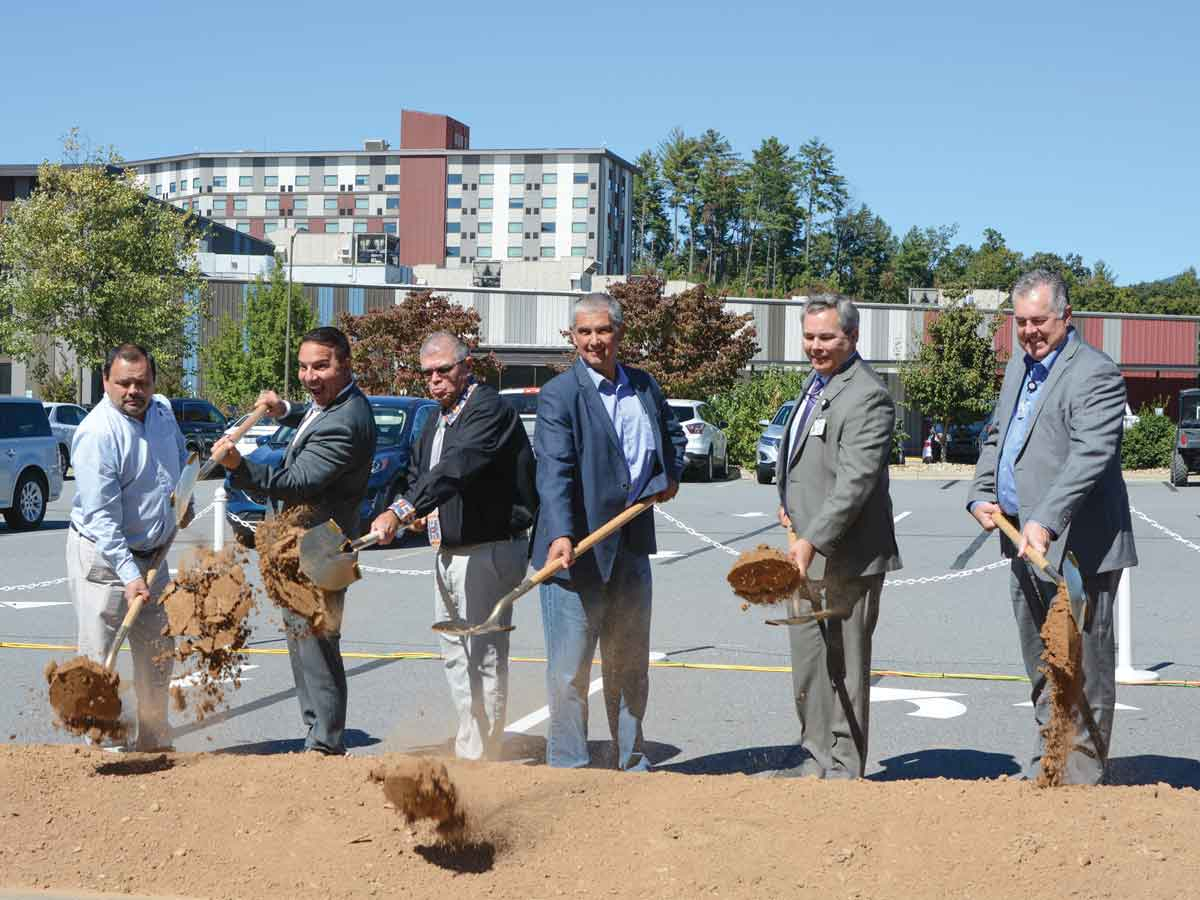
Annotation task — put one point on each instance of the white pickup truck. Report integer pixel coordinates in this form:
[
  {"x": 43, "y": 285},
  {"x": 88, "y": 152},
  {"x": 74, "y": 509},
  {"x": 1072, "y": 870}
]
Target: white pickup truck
[{"x": 30, "y": 473}]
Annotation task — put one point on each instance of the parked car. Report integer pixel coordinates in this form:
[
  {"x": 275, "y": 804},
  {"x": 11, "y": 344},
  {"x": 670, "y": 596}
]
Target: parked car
[
  {"x": 64, "y": 419},
  {"x": 767, "y": 452},
  {"x": 525, "y": 402},
  {"x": 265, "y": 427},
  {"x": 201, "y": 423},
  {"x": 398, "y": 423},
  {"x": 706, "y": 442},
  {"x": 965, "y": 444},
  {"x": 1185, "y": 458},
  {"x": 30, "y": 473}
]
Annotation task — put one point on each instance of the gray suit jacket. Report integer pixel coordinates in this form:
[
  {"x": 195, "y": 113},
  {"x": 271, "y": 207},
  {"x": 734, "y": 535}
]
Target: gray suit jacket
[
  {"x": 327, "y": 466},
  {"x": 835, "y": 489},
  {"x": 1068, "y": 470}
]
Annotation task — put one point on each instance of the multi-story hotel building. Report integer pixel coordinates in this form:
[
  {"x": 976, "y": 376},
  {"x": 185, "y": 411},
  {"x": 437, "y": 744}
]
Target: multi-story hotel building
[{"x": 445, "y": 203}]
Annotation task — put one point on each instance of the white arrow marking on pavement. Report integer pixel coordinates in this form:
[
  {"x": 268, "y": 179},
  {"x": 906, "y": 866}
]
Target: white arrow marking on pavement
[
  {"x": 666, "y": 554},
  {"x": 538, "y": 716},
  {"x": 929, "y": 704},
  {"x": 32, "y": 604},
  {"x": 750, "y": 515},
  {"x": 900, "y": 516},
  {"x": 193, "y": 679},
  {"x": 1115, "y": 706}
]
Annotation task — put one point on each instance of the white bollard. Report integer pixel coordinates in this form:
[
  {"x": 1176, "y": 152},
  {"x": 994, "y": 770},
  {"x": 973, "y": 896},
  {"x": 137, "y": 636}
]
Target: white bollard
[
  {"x": 220, "y": 500},
  {"x": 1126, "y": 673}
]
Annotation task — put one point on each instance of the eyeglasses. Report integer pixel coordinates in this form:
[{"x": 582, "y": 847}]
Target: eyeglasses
[{"x": 440, "y": 370}]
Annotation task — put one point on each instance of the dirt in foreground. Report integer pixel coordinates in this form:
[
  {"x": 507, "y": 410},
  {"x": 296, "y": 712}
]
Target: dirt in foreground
[
  {"x": 223, "y": 826},
  {"x": 1061, "y": 658}
]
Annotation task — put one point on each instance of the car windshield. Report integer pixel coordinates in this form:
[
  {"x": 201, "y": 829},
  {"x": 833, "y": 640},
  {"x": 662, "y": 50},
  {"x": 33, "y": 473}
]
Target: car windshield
[
  {"x": 524, "y": 404},
  {"x": 683, "y": 413},
  {"x": 1189, "y": 409},
  {"x": 264, "y": 422},
  {"x": 781, "y": 417},
  {"x": 389, "y": 425}
]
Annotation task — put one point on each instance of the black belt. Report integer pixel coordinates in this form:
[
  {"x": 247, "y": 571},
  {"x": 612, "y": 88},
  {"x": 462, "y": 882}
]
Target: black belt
[{"x": 140, "y": 554}]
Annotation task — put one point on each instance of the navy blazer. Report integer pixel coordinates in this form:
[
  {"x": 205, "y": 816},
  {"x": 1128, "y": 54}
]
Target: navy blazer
[{"x": 582, "y": 475}]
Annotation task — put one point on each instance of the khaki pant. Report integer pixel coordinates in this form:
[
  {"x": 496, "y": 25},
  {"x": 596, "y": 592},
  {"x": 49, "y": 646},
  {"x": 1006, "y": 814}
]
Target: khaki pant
[{"x": 98, "y": 596}]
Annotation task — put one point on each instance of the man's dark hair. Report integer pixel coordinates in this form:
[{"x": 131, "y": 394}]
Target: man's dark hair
[
  {"x": 328, "y": 336},
  {"x": 130, "y": 353}
]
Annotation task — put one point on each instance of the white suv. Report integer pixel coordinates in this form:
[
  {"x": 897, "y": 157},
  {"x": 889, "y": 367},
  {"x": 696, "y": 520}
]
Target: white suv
[
  {"x": 706, "y": 442},
  {"x": 30, "y": 473}
]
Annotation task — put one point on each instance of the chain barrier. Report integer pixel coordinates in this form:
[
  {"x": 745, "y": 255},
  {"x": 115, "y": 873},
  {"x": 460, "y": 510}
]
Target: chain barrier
[
  {"x": 29, "y": 587},
  {"x": 1164, "y": 529},
  {"x": 383, "y": 571},
  {"x": 694, "y": 533},
  {"x": 238, "y": 520}
]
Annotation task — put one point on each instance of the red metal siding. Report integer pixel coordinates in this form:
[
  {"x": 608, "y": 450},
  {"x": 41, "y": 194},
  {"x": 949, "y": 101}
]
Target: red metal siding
[
  {"x": 1092, "y": 331},
  {"x": 1002, "y": 340},
  {"x": 316, "y": 226},
  {"x": 422, "y": 210},
  {"x": 1158, "y": 341},
  {"x": 257, "y": 229},
  {"x": 374, "y": 225},
  {"x": 1149, "y": 388},
  {"x": 430, "y": 131}
]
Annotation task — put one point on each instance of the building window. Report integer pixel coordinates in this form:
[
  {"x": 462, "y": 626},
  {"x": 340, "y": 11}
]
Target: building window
[
  {"x": 360, "y": 227},
  {"x": 516, "y": 202},
  {"x": 452, "y": 251},
  {"x": 245, "y": 181},
  {"x": 219, "y": 205},
  {"x": 579, "y": 251},
  {"x": 391, "y": 179},
  {"x": 515, "y": 252},
  {"x": 195, "y": 184},
  {"x": 549, "y": 227},
  {"x": 549, "y": 178},
  {"x": 243, "y": 227},
  {"x": 240, "y": 205},
  {"x": 454, "y": 203},
  {"x": 362, "y": 202},
  {"x": 157, "y": 189},
  {"x": 300, "y": 225},
  {"x": 547, "y": 251},
  {"x": 486, "y": 178},
  {"x": 301, "y": 204},
  {"x": 485, "y": 227},
  {"x": 268, "y": 227},
  {"x": 270, "y": 181},
  {"x": 581, "y": 178},
  {"x": 272, "y": 204},
  {"x": 393, "y": 203},
  {"x": 389, "y": 227},
  {"x": 331, "y": 227},
  {"x": 453, "y": 228},
  {"x": 301, "y": 181},
  {"x": 172, "y": 187},
  {"x": 579, "y": 228},
  {"x": 330, "y": 181},
  {"x": 516, "y": 178},
  {"x": 454, "y": 179},
  {"x": 485, "y": 202},
  {"x": 514, "y": 228},
  {"x": 331, "y": 202},
  {"x": 218, "y": 181},
  {"x": 549, "y": 203},
  {"x": 361, "y": 180},
  {"x": 579, "y": 202},
  {"x": 484, "y": 252}
]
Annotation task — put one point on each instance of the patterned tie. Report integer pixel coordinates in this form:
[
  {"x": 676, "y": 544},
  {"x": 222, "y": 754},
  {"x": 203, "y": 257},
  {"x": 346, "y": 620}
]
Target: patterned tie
[{"x": 814, "y": 393}]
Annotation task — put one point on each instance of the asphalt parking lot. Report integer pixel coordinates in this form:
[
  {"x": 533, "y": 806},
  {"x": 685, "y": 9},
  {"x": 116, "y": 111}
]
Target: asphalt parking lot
[{"x": 720, "y": 693}]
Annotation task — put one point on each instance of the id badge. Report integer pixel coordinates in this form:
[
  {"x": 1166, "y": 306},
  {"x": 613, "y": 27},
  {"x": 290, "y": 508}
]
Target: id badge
[
  {"x": 818, "y": 428},
  {"x": 433, "y": 527}
]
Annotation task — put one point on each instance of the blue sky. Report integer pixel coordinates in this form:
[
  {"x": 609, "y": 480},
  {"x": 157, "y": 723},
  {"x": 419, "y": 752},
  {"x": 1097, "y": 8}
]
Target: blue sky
[{"x": 1067, "y": 126}]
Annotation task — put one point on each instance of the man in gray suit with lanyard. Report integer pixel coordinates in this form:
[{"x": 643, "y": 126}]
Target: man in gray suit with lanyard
[
  {"x": 833, "y": 494},
  {"x": 1051, "y": 462},
  {"x": 327, "y": 466}
]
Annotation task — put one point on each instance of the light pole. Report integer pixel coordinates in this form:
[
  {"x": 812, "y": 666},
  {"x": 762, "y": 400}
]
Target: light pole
[{"x": 287, "y": 341}]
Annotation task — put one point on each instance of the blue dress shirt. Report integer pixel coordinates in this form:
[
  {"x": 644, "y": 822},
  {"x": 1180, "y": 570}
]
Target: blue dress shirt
[
  {"x": 125, "y": 471},
  {"x": 633, "y": 427}
]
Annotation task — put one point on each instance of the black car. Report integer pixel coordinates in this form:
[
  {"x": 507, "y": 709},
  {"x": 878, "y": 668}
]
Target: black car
[
  {"x": 1185, "y": 458},
  {"x": 201, "y": 423}
]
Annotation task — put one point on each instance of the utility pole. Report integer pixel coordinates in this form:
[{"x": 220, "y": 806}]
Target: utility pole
[{"x": 287, "y": 341}]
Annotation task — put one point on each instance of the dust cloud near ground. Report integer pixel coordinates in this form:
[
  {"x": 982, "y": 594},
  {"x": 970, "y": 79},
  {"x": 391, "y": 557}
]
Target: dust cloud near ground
[
  {"x": 85, "y": 699},
  {"x": 1061, "y": 658},
  {"x": 278, "y": 543},
  {"x": 421, "y": 789},
  {"x": 74, "y": 819},
  {"x": 207, "y": 606},
  {"x": 763, "y": 576}
]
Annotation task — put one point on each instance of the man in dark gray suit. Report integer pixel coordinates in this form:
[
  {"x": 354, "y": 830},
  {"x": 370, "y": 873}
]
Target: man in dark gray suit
[
  {"x": 1051, "y": 462},
  {"x": 327, "y": 466},
  {"x": 833, "y": 493}
]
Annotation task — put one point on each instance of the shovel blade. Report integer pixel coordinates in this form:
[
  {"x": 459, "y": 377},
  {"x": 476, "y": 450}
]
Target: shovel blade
[
  {"x": 819, "y": 615},
  {"x": 463, "y": 628},
  {"x": 186, "y": 486},
  {"x": 323, "y": 557},
  {"x": 1074, "y": 580}
]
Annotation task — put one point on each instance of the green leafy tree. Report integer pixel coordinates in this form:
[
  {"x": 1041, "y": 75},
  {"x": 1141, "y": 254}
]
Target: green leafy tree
[
  {"x": 248, "y": 355},
  {"x": 861, "y": 249},
  {"x": 651, "y": 229},
  {"x": 679, "y": 156},
  {"x": 953, "y": 377},
  {"x": 715, "y": 207},
  {"x": 752, "y": 400},
  {"x": 1150, "y": 443},
  {"x": 386, "y": 343},
  {"x": 994, "y": 266},
  {"x": 772, "y": 210},
  {"x": 89, "y": 260},
  {"x": 823, "y": 190}
]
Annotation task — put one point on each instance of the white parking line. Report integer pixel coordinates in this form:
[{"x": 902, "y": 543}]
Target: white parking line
[
  {"x": 749, "y": 515},
  {"x": 901, "y": 516}
]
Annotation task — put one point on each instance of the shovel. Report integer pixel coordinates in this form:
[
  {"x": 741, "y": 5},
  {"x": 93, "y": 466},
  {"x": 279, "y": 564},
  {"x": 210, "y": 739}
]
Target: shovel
[
  {"x": 810, "y": 590},
  {"x": 329, "y": 558},
  {"x": 1069, "y": 577},
  {"x": 236, "y": 435},
  {"x": 463, "y": 628}
]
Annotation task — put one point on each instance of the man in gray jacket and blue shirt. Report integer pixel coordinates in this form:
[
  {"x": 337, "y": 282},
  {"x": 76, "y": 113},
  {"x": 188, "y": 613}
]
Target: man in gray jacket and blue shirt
[{"x": 1051, "y": 463}]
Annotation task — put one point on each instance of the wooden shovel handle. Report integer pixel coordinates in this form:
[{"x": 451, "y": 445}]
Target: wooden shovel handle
[
  {"x": 134, "y": 608},
  {"x": 240, "y": 432},
  {"x": 1010, "y": 532},
  {"x": 617, "y": 521}
]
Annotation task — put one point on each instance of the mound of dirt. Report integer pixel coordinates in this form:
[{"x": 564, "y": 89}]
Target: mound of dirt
[
  {"x": 207, "y": 605},
  {"x": 84, "y": 697},
  {"x": 278, "y": 543},
  {"x": 420, "y": 788},
  {"x": 1061, "y": 658},
  {"x": 763, "y": 576}
]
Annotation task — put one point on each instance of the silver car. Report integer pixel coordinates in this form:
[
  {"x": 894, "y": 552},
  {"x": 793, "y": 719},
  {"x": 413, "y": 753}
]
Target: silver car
[
  {"x": 30, "y": 476},
  {"x": 64, "y": 419},
  {"x": 706, "y": 442},
  {"x": 525, "y": 402},
  {"x": 767, "y": 452}
]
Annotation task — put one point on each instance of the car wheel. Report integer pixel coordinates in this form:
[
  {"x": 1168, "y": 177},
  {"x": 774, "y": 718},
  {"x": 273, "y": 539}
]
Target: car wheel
[
  {"x": 64, "y": 459},
  {"x": 1179, "y": 470},
  {"x": 707, "y": 471},
  {"x": 725, "y": 463},
  {"x": 29, "y": 506},
  {"x": 765, "y": 475}
]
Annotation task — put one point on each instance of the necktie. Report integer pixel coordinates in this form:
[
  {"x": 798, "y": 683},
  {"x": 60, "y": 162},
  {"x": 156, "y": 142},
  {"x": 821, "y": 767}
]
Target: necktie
[
  {"x": 810, "y": 402},
  {"x": 433, "y": 524}
]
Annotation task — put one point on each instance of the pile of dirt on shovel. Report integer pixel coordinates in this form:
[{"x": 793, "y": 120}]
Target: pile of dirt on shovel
[
  {"x": 278, "y": 543},
  {"x": 763, "y": 576},
  {"x": 207, "y": 605},
  {"x": 84, "y": 697},
  {"x": 1061, "y": 666}
]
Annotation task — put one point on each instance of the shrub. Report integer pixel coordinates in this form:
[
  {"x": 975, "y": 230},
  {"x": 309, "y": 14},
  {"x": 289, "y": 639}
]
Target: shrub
[
  {"x": 1149, "y": 443},
  {"x": 758, "y": 397}
]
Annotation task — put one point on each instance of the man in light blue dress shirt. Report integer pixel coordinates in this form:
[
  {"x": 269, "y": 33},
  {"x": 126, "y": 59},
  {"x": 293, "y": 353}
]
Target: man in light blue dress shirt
[{"x": 127, "y": 453}]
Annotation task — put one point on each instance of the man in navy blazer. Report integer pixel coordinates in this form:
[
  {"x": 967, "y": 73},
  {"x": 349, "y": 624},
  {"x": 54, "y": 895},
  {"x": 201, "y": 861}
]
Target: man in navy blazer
[{"x": 605, "y": 438}]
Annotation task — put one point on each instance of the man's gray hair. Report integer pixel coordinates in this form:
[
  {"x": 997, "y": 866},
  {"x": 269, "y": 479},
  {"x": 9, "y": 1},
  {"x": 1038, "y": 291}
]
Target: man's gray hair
[
  {"x": 1060, "y": 299},
  {"x": 846, "y": 310},
  {"x": 599, "y": 302},
  {"x": 440, "y": 339}
]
